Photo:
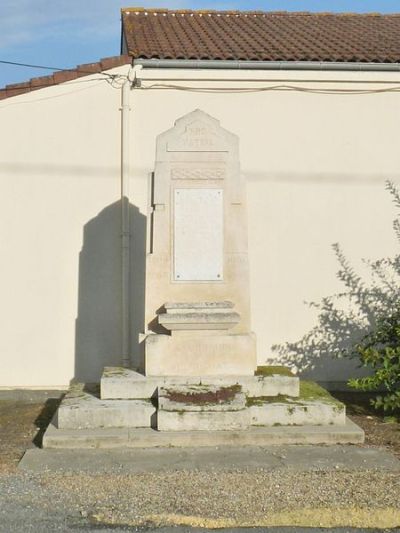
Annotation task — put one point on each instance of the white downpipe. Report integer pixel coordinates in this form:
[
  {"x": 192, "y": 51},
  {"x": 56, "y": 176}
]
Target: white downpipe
[{"x": 125, "y": 224}]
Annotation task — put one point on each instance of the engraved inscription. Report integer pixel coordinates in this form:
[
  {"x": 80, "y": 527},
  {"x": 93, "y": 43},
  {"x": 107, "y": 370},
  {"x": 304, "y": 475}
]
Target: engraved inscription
[
  {"x": 197, "y": 137},
  {"x": 198, "y": 234},
  {"x": 210, "y": 350},
  {"x": 198, "y": 174}
]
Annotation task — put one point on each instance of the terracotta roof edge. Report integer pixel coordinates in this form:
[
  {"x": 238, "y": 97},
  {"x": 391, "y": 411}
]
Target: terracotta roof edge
[
  {"x": 62, "y": 76},
  {"x": 141, "y": 9}
]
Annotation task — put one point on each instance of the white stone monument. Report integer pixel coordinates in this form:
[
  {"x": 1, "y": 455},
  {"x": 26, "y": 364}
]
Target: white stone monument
[
  {"x": 199, "y": 384},
  {"x": 197, "y": 289}
]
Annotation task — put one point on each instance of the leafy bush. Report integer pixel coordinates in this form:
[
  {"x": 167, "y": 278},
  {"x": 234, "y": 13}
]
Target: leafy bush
[
  {"x": 380, "y": 350},
  {"x": 362, "y": 322}
]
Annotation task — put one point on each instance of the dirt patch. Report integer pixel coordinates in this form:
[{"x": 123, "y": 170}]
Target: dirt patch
[
  {"x": 22, "y": 426},
  {"x": 380, "y": 431}
]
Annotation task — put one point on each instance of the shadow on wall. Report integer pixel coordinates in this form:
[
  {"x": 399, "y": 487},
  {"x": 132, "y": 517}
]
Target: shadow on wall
[
  {"x": 345, "y": 318},
  {"x": 98, "y": 325}
]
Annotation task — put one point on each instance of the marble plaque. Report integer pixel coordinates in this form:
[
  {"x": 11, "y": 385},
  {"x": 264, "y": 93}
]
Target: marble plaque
[{"x": 198, "y": 234}]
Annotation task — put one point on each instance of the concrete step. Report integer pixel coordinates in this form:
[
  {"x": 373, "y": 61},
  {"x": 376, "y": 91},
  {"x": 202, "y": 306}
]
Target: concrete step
[
  {"x": 55, "y": 438},
  {"x": 207, "y": 408},
  {"x": 121, "y": 383},
  {"x": 82, "y": 410},
  {"x": 217, "y": 459},
  {"x": 310, "y": 413},
  {"x": 315, "y": 406},
  {"x": 203, "y": 420},
  {"x": 182, "y": 417}
]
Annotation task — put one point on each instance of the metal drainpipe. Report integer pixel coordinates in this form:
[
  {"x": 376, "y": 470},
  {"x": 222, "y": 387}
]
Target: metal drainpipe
[{"x": 125, "y": 224}]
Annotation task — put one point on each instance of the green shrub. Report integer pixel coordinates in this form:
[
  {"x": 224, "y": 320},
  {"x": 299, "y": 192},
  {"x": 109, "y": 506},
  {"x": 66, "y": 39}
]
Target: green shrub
[{"x": 379, "y": 350}]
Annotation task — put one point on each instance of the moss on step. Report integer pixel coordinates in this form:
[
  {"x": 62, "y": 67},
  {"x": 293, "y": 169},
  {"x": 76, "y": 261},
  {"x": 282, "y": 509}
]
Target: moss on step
[
  {"x": 203, "y": 396},
  {"x": 273, "y": 371},
  {"x": 110, "y": 371},
  {"x": 309, "y": 391}
]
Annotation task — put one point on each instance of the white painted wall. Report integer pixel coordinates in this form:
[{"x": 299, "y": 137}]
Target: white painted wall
[{"x": 315, "y": 167}]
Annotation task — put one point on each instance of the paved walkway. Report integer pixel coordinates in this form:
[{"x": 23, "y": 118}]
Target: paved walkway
[
  {"x": 217, "y": 488},
  {"x": 296, "y": 458}
]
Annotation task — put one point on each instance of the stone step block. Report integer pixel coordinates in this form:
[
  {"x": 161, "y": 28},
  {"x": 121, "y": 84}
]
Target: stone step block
[
  {"x": 83, "y": 410},
  {"x": 314, "y": 407},
  {"x": 125, "y": 384},
  {"x": 296, "y": 414},
  {"x": 206, "y": 316},
  {"x": 201, "y": 398},
  {"x": 55, "y": 438},
  {"x": 203, "y": 420},
  {"x": 271, "y": 381}
]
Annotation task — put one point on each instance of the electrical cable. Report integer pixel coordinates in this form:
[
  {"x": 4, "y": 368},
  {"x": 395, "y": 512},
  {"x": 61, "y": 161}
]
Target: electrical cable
[
  {"x": 15, "y": 63},
  {"x": 244, "y": 90}
]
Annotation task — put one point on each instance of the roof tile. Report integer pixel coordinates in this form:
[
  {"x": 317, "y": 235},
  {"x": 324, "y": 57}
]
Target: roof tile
[
  {"x": 264, "y": 36},
  {"x": 62, "y": 76}
]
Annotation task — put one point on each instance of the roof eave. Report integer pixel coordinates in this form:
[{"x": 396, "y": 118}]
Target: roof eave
[{"x": 267, "y": 65}]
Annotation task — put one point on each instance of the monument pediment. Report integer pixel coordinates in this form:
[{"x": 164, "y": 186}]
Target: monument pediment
[
  {"x": 198, "y": 136},
  {"x": 198, "y": 132}
]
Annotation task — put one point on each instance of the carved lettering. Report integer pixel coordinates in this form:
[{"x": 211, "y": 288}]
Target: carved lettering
[{"x": 198, "y": 174}]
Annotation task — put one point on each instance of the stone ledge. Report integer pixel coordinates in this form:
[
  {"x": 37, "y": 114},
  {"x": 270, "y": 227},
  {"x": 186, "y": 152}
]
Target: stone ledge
[
  {"x": 203, "y": 420},
  {"x": 125, "y": 384},
  {"x": 55, "y": 438},
  {"x": 225, "y": 304},
  {"x": 311, "y": 413},
  {"x": 198, "y": 320},
  {"x": 80, "y": 410},
  {"x": 268, "y": 458}
]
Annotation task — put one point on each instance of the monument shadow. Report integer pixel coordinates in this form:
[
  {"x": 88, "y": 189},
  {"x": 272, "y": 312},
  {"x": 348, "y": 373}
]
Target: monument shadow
[{"x": 98, "y": 324}]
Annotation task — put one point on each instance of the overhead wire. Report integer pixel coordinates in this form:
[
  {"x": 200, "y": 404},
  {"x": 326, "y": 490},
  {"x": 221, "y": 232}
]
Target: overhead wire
[
  {"x": 283, "y": 87},
  {"x": 46, "y": 67},
  {"x": 117, "y": 80},
  {"x": 114, "y": 80},
  {"x": 19, "y": 102}
]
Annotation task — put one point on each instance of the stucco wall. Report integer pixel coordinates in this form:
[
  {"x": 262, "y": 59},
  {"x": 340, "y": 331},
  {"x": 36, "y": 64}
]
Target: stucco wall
[{"x": 315, "y": 166}]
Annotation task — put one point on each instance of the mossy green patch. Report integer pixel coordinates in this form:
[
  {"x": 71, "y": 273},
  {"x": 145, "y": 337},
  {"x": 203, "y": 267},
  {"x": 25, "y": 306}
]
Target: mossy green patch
[
  {"x": 309, "y": 391},
  {"x": 203, "y": 395},
  {"x": 110, "y": 371},
  {"x": 273, "y": 371}
]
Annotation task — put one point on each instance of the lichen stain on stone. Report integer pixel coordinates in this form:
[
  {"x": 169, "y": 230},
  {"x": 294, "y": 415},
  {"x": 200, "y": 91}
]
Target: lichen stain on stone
[
  {"x": 309, "y": 392},
  {"x": 266, "y": 371},
  {"x": 115, "y": 371},
  {"x": 194, "y": 397}
]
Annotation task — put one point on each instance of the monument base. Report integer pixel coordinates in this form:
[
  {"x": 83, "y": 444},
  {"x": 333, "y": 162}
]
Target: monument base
[
  {"x": 194, "y": 354},
  {"x": 105, "y": 438},
  {"x": 132, "y": 410}
]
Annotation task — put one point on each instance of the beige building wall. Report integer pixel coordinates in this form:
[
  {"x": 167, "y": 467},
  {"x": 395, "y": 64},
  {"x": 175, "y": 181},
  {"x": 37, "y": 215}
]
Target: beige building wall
[{"x": 315, "y": 166}]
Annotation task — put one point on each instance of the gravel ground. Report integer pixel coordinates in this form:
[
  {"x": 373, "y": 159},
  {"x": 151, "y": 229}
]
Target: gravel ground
[
  {"x": 213, "y": 498},
  {"x": 68, "y": 502}
]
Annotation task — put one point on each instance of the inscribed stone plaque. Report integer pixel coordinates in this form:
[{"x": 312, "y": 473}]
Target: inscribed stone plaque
[{"x": 198, "y": 235}]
